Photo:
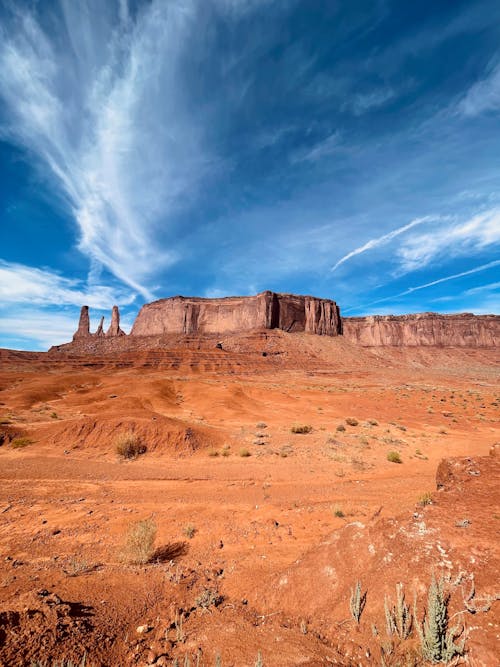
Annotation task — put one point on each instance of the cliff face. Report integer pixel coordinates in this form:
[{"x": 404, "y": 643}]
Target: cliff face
[
  {"x": 464, "y": 330},
  {"x": 268, "y": 310}
]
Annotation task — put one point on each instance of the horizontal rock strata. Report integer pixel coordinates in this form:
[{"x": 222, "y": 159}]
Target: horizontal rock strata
[
  {"x": 423, "y": 329},
  {"x": 268, "y": 310}
]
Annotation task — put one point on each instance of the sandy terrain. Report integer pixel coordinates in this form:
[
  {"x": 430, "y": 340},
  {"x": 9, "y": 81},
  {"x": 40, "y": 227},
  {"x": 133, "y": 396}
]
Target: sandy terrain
[{"x": 259, "y": 552}]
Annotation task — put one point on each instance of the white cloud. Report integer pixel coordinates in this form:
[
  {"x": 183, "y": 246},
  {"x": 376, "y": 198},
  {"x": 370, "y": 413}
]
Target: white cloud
[
  {"x": 36, "y": 328},
  {"x": 381, "y": 240},
  {"x": 318, "y": 151},
  {"x": 102, "y": 108},
  {"x": 482, "y": 96},
  {"x": 410, "y": 290},
  {"x": 450, "y": 240},
  {"x": 361, "y": 103},
  {"x": 20, "y": 284},
  {"x": 490, "y": 287}
]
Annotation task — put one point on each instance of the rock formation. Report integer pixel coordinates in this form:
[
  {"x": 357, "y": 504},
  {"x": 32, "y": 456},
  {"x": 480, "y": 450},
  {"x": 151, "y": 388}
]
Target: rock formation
[
  {"x": 114, "y": 327},
  {"x": 426, "y": 329},
  {"x": 100, "y": 328},
  {"x": 180, "y": 315},
  {"x": 268, "y": 310},
  {"x": 83, "y": 330}
]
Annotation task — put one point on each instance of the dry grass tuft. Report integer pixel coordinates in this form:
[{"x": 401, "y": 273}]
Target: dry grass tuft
[
  {"x": 138, "y": 546},
  {"x": 129, "y": 445},
  {"x": 301, "y": 428}
]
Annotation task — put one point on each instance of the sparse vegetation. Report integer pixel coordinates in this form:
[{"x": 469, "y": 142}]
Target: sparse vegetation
[
  {"x": 138, "y": 547},
  {"x": 189, "y": 531},
  {"x": 226, "y": 450},
  {"x": 19, "y": 443},
  {"x": 245, "y": 453},
  {"x": 351, "y": 421},
  {"x": 398, "y": 617},
  {"x": 394, "y": 457},
  {"x": 437, "y": 639},
  {"x": 357, "y": 602},
  {"x": 208, "y": 598},
  {"x": 301, "y": 428},
  {"x": 129, "y": 445},
  {"x": 425, "y": 499},
  {"x": 213, "y": 452},
  {"x": 338, "y": 512},
  {"x": 340, "y": 428}
]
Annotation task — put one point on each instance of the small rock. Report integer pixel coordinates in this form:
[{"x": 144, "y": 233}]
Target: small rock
[{"x": 142, "y": 629}]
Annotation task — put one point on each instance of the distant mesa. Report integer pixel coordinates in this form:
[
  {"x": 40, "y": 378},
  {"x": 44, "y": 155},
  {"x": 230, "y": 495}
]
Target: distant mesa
[{"x": 295, "y": 313}]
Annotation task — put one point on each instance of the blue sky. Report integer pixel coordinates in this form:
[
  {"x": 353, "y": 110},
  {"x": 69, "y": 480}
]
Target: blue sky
[{"x": 349, "y": 150}]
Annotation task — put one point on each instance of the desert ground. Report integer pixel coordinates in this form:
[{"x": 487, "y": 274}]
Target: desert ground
[{"x": 262, "y": 533}]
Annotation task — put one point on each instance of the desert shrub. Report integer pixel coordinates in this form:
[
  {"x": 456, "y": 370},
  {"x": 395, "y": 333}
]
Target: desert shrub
[
  {"x": 213, "y": 453},
  {"x": 19, "y": 443},
  {"x": 301, "y": 428},
  {"x": 189, "y": 531},
  {"x": 351, "y": 421},
  {"x": 261, "y": 425},
  {"x": 244, "y": 452},
  {"x": 340, "y": 428},
  {"x": 138, "y": 547},
  {"x": 129, "y": 445},
  {"x": 338, "y": 512},
  {"x": 437, "y": 640},
  {"x": 425, "y": 499},
  {"x": 357, "y": 602},
  {"x": 394, "y": 457},
  {"x": 226, "y": 450},
  {"x": 398, "y": 617},
  {"x": 373, "y": 422},
  {"x": 208, "y": 598}
]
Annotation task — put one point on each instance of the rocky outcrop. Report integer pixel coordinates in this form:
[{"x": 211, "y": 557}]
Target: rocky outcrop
[
  {"x": 424, "y": 329},
  {"x": 83, "y": 330},
  {"x": 114, "y": 327},
  {"x": 268, "y": 310},
  {"x": 100, "y": 328}
]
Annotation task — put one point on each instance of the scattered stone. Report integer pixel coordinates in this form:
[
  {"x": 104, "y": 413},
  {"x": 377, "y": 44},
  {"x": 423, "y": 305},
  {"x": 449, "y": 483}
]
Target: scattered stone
[{"x": 143, "y": 629}]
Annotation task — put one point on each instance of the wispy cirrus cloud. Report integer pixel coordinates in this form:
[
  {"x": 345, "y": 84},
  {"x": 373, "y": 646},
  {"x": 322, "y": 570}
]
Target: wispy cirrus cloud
[
  {"x": 450, "y": 240},
  {"x": 382, "y": 240},
  {"x": 424, "y": 286},
  {"x": 319, "y": 150},
  {"x": 482, "y": 96},
  {"x": 100, "y": 104},
  {"x": 20, "y": 284}
]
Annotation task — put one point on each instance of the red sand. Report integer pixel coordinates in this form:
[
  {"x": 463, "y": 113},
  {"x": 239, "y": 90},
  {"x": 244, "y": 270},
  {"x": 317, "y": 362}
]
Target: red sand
[{"x": 280, "y": 536}]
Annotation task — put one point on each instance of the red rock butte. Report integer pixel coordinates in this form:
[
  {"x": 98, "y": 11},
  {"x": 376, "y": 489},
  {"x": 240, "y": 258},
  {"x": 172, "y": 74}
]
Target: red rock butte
[{"x": 291, "y": 313}]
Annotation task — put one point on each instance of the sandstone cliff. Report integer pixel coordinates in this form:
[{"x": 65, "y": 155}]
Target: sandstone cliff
[
  {"x": 268, "y": 310},
  {"x": 463, "y": 330}
]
